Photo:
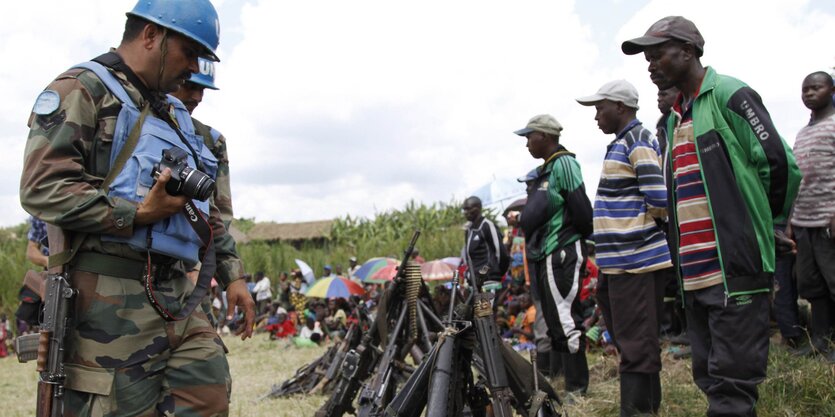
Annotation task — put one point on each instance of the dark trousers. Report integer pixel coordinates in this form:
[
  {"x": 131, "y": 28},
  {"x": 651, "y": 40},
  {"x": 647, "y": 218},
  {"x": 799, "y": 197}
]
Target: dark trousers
[
  {"x": 785, "y": 298},
  {"x": 816, "y": 279},
  {"x": 558, "y": 281},
  {"x": 672, "y": 314},
  {"x": 815, "y": 263},
  {"x": 632, "y": 305},
  {"x": 729, "y": 340}
]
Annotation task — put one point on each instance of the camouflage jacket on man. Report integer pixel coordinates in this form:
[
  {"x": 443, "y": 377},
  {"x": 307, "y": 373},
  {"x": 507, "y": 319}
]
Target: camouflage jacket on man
[
  {"x": 67, "y": 157},
  {"x": 222, "y": 196}
]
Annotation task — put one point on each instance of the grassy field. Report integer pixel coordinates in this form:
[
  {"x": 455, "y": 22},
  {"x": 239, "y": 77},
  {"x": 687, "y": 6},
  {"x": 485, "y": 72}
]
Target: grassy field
[{"x": 795, "y": 387}]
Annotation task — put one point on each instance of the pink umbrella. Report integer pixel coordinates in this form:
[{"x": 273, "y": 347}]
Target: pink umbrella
[
  {"x": 437, "y": 270},
  {"x": 452, "y": 261}
]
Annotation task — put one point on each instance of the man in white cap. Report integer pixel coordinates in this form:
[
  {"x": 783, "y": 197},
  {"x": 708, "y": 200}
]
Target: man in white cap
[
  {"x": 631, "y": 249},
  {"x": 555, "y": 220}
]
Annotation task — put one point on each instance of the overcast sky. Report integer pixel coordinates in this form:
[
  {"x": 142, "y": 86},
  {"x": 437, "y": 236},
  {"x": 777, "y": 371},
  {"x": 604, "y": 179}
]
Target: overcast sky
[{"x": 336, "y": 107}]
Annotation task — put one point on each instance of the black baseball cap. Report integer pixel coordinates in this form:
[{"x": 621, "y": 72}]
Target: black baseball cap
[{"x": 668, "y": 28}]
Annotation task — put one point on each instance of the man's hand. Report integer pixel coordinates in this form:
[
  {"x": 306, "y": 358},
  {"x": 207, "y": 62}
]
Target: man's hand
[
  {"x": 783, "y": 244},
  {"x": 158, "y": 204},
  {"x": 34, "y": 254},
  {"x": 238, "y": 295}
]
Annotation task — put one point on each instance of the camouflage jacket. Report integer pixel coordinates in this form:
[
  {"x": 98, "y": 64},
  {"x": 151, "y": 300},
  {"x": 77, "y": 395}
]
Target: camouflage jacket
[
  {"x": 223, "y": 189},
  {"x": 67, "y": 157}
]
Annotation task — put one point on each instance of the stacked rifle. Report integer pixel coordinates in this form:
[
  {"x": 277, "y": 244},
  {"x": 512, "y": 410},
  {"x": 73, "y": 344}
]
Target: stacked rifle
[
  {"x": 374, "y": 373},
  {"x": 321, "y": 374},
  {"x": 443, "y": 383}
]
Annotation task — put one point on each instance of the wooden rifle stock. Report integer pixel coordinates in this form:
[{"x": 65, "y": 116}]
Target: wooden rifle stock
[{"x": 44, "y": 402}]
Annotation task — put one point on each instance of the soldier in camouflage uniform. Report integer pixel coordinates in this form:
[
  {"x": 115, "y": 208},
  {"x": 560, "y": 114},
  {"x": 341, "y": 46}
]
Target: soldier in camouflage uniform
[
  {"x": 191, "y": 94},
  {"x": 122, "y": 357}
]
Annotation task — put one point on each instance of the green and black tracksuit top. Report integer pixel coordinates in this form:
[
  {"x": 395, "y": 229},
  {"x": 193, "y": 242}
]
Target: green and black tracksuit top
[
  {"x": 558, "y": 211},
  {"x": 750, "y": 178}
]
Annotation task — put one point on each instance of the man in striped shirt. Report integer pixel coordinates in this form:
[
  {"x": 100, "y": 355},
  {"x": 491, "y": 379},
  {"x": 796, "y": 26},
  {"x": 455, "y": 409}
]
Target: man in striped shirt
[
  {"x": 813, "y": 219},
  {"x": 631, "y": 249},
  {"x": 730, "y": 178}
]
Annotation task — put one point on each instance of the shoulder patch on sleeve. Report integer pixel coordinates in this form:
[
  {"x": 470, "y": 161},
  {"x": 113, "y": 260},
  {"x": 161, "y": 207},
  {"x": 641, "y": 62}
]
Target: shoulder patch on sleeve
[{"x": 47, "y": 102}]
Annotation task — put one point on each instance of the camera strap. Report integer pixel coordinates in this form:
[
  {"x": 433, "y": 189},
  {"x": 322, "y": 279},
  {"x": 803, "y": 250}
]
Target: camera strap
[{"x": 208, "y": 265}]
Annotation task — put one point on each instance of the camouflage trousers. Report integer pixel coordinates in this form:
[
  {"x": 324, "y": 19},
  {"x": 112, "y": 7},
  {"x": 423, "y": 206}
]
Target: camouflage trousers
[{"x": 123, "y": 359}]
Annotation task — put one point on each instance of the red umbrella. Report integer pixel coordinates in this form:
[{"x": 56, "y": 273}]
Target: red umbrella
[
  {"x": 437, "y": 270},
  {"x": 384, "y": 274}
]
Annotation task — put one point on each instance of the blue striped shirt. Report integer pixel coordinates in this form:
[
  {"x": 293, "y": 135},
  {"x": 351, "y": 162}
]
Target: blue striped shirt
[{"x": 631, "y": 195}]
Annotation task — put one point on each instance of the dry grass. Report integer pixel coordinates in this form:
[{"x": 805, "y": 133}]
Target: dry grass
[{"x": 795, "y": 387}]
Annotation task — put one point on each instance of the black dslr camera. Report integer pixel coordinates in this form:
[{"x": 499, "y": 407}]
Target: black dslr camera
[{"x": 184, "y": 180}]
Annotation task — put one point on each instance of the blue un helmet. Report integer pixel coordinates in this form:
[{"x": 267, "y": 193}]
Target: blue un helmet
[
  {"x": 206, "y": 76},
  {"x": 530, "y": 176},
  {"x": 195, "y": 19}
]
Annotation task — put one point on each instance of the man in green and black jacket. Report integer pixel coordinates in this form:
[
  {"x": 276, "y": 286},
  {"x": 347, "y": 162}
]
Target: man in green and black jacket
[
  {"x": 556, "y": 218},
  {"x": 730, "y": 177}
]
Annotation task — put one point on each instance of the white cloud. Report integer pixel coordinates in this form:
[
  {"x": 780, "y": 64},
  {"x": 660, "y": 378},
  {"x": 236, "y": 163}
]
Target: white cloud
[
  {"x": 335, "y": 107},
  {"x": 771, "y": 45},
  {"x": 410, "y": 101}
]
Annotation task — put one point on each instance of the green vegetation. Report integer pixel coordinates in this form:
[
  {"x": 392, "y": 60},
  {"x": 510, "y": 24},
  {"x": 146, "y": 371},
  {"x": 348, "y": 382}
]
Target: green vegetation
[
  {"x": 387, "y": 234},
  {"x": 13, "y": 265}
]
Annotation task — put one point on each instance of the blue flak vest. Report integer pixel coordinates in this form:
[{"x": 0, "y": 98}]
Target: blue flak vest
[{"x": 173, "y": 236}]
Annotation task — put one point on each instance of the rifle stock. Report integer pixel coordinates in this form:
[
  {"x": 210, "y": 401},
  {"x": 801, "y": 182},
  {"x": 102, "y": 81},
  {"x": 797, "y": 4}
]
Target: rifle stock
[{"x": 43, "y": 406}]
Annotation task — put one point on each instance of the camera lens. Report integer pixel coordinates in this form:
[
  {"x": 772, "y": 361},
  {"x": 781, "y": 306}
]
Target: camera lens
[{"x": 196, "y": 184}]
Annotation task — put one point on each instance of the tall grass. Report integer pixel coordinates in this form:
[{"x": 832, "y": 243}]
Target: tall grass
[{"x": 13, "y": 265}]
